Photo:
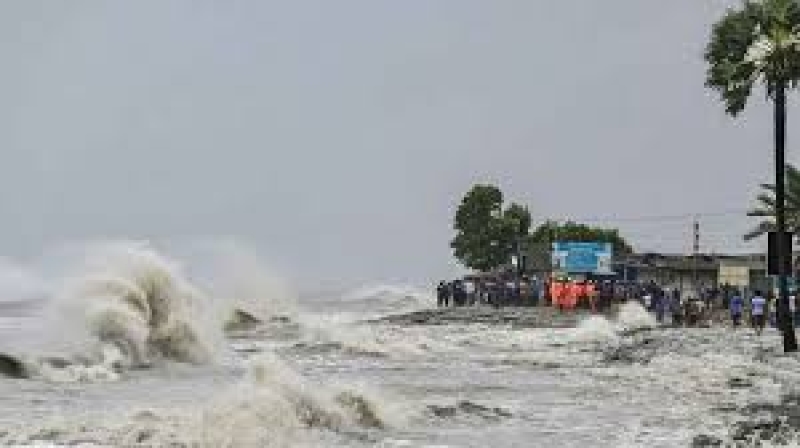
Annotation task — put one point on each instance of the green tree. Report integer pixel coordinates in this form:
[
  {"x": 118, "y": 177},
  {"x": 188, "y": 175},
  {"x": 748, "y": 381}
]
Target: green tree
[
  {"x": 760, "y": 43},
  {"x": 765, "y": 208},
  {"x": 551, "y": 231},
  {"x": 486, "y": 234},
  {"x": 518, "y": 219}
]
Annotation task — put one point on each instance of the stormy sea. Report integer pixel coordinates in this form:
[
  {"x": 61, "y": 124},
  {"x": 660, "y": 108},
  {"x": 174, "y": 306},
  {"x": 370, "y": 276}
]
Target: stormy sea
[{"x": 123, "y": 344}]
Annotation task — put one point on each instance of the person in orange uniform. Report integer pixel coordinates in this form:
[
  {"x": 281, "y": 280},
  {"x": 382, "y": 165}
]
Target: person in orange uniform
[
  {"x": 583, "y": 292},
  {"x": 591, "y": 294},
  {"x": 557, "y": 294},
  {"x": 570, "y": 295}
]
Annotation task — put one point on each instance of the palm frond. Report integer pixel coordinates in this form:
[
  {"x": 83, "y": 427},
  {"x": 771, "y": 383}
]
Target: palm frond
[
  {"x": 761, "y": 213},
  {"x": 766, "y": 201},
  {"x": 761, "y": 229}
]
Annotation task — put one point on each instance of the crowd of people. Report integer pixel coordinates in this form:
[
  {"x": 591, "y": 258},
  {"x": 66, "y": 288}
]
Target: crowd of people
[
  {"x": 717, "y": 304},
  {"x": 524, "y": 291},
  {"x": 669, "y": 305},
  {"x": 761, "y": 309},
  {"x": 496, "y": 291}
]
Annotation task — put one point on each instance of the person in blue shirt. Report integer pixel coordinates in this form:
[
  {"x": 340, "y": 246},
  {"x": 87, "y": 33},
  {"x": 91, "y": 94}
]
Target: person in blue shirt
[{"x": 736, "y": 307}]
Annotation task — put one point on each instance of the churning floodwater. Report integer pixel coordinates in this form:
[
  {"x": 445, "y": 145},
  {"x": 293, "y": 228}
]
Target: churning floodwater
[{"x": 124, "y": 346}]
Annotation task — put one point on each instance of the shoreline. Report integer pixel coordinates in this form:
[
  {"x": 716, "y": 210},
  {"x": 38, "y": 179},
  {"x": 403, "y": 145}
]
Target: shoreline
[{"x": 520, "y": 317}]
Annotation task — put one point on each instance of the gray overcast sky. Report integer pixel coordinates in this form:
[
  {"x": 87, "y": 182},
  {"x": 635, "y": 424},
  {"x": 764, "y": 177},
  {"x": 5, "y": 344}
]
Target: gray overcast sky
[{"x": 338, "y": 136}]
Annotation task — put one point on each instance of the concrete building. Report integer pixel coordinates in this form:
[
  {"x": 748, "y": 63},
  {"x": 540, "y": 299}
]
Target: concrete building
[
  {"x": 693, "y": 272},
  {"x": 685, "y": 272}
]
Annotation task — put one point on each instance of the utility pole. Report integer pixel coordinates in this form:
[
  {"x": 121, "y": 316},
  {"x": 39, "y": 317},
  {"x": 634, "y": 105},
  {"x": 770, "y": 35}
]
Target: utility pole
[
  {"x": 696, "y": 254},
  {"x": 785, "y": 321}
]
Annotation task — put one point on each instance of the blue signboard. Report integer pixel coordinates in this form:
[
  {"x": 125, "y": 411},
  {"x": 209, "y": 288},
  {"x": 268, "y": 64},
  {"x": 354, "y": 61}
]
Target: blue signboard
[{"x": 582, "y": 257}]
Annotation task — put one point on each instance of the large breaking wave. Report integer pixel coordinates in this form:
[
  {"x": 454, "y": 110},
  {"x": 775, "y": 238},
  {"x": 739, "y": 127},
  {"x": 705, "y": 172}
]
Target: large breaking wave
[{"x": 125, "y": 306}]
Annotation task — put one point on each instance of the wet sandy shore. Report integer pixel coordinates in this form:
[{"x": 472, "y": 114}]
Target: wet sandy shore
[{"x": 522, "y": 317}]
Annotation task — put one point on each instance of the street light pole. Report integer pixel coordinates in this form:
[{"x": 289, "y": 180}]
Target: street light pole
[{"x": 785, "y": 321}]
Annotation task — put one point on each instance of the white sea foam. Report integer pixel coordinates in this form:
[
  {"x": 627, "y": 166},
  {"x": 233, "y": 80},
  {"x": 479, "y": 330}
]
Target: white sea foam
[
  {"x": 272, "y": 406},
  {"x": 632, "y": 316},
  {"x": 594, "y": 329},
  {"x": 360, "y": 338},
  {"x": 661, "y": 395},
  {"x": 123, "y": 305},
  {"x": 383, "y": 299}
]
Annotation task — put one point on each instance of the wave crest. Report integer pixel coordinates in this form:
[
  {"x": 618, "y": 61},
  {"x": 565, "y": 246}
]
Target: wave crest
[{"x": 126, "y": 306}]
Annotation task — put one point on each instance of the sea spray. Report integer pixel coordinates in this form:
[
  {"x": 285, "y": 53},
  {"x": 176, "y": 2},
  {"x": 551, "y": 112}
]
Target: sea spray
[
  {"x": 390, "y": 294},
  {"x": 125, "y": 305},
  {"x": 19, "y": 284},
  {"x": 271, "y": 406},
  {"x": 632, "y": 317},
  {"x": 349, "y": 330},
  {"x": 359, "y": 338},
  {"x": 316, "y": 405},
  {"x": 594, "y": 329},
  {"x": 138, "y": 298},
  {"x": 329, "y": 332},
  {"x": 275, "y": 404},
  {"x": 245, "y": 284},
  {"x": 380, "y": 300},
  {"x": 497, "y": 380}
]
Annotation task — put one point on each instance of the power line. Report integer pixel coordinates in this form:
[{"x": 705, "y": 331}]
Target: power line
[
  {"x": 682, "y": 216},
  {"x": 657, "y": 232}
]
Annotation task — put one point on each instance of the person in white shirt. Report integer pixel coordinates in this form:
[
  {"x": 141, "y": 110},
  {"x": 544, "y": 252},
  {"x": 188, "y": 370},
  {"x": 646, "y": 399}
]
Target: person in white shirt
[{"x": 758, "y": 305}]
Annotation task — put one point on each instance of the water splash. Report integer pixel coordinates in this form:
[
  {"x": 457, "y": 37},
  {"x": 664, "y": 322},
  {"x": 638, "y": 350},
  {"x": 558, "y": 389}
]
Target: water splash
[
  {"x": 594, "y": 329},
  {"x": 632, "y": 316},
  {"x": 125, "y": 306}
]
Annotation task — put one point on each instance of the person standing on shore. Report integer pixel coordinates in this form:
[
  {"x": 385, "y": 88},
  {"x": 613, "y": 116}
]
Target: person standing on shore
[
  {"x": 481, "y": 293},
  {"x": 536, "y": 291},
  {"x": 676, "y": 308},
  {"x": 736, "y": 307},
  {"x": 459, "y": 293},
  {"x": 441, "y": 293},
  {"x": 647, "y": 301},
  {"x": 493, "y": 293},
  {"x": 660, "y": 305},
  {"x": 758, "y": 316},
  {"x": 469, "y": 292}
]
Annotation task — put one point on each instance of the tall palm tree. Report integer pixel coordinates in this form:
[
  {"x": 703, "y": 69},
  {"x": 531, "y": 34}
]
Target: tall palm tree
[
  {"x": 760, "y": 43},
  {"x": 766, "y": 206}
]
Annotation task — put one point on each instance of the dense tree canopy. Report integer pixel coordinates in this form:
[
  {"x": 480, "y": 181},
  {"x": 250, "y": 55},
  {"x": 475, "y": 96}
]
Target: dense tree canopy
[
  {"x": 757, "y": 43},
  {"x": 486, "y": 233},
  {"x": 571, "y": 231}
]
